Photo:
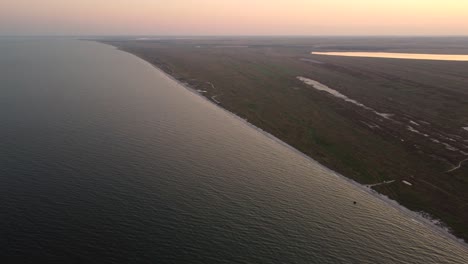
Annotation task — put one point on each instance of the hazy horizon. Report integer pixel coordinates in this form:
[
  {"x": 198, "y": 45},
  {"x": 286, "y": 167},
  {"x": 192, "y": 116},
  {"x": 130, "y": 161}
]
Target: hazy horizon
[
  {"x": 231, "y": 35},
  {"x": 234, "y": 18}
]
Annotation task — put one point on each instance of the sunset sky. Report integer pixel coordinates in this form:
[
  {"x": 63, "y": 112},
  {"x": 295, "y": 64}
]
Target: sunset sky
[{"x": 234, "y": 17}]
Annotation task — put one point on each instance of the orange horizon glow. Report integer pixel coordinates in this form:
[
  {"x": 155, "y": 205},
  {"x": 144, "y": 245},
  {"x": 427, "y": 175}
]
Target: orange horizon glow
[{"x": 229, "y": 17}]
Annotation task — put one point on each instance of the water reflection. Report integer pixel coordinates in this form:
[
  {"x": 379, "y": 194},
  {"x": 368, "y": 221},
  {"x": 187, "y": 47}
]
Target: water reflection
[{"x": 392, "y": 55}]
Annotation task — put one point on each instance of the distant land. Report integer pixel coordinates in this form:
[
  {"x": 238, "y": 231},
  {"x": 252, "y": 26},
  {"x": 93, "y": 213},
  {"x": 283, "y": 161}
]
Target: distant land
[{"x": 398, "y": 126}]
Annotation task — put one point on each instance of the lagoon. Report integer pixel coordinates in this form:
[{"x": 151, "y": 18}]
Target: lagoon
[{"x": 394, "y": 55}]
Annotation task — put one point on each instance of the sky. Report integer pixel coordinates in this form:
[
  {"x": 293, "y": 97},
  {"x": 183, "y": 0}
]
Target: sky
[{"x": 233, "y": 17}]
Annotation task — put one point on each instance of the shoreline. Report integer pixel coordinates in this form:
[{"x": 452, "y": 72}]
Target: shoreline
[{"x": 421, "y": 217}]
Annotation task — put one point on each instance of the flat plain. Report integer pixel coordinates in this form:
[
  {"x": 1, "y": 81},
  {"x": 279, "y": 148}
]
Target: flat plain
[{"x": 405, "y": 135}]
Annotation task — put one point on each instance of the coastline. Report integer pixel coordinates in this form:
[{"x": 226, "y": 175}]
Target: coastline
[{"x": 421, "y": 217}]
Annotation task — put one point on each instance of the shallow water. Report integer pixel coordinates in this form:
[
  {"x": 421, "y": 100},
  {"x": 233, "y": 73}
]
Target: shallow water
[
  {"x": 394, "y": 55},
  {"x": 322, "y": 87},
  {"x": 105, "y": 159}
]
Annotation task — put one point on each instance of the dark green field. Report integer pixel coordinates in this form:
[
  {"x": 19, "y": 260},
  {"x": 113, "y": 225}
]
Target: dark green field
[{"x": 420, "y": 143}]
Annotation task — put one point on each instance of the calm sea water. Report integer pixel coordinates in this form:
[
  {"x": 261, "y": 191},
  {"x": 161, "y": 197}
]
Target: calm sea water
[
  {"x": 395, "y": 55},
  {"x": 105, "y": 159}
]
